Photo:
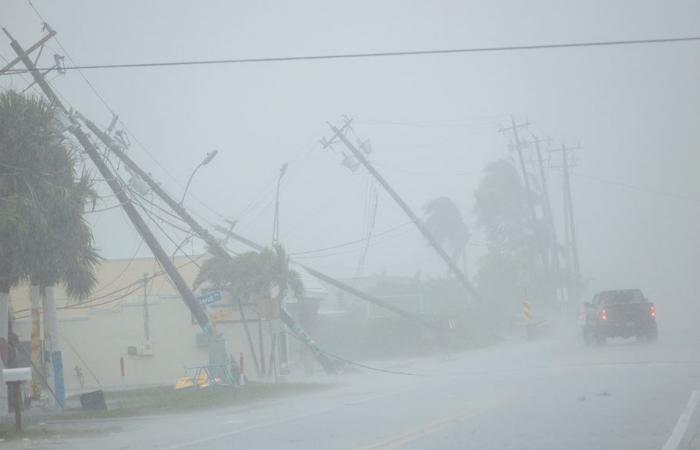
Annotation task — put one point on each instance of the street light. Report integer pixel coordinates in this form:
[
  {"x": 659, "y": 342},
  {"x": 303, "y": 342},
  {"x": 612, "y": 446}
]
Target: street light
[{"x": 207, "y": 160}]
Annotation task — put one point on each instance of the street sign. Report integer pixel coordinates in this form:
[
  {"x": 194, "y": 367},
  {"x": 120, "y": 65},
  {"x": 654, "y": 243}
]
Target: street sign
[{"x": 209, "y": 298}]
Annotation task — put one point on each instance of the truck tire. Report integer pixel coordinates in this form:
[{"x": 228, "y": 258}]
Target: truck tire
[{"x": 599, "y": 339}]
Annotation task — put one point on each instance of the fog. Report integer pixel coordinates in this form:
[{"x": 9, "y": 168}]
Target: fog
[{"x": 435, "y": 122}]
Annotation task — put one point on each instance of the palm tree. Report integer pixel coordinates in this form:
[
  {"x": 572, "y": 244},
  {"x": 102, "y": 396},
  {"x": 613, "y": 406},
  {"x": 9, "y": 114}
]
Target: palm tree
[
  {"x": 259, "y": 279},
  {"x": 445, "y": 223},
  {"x": 43, "y": 235},
  {"x": 252, "y": 276}
]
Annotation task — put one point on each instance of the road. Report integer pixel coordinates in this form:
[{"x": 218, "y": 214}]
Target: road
[{"x": 552, "y": 394}]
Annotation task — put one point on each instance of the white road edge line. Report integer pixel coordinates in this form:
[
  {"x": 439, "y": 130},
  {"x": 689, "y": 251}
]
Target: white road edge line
[{"x": 682, "y": 425}]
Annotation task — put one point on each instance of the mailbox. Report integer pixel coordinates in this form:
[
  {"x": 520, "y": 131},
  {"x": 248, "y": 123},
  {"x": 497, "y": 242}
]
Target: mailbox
[{"x": 18, "y": 374}]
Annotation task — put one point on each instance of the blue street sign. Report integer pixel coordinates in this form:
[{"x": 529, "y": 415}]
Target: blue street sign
[{"x": 209, "y": 298}]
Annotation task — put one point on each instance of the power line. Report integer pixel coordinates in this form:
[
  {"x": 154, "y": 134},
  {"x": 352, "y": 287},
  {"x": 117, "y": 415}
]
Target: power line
[
  {"x": 70, "y": 58},
  {"x": 510, "y": 48},
  {"x": 104, "y": 102},
  {"x": 356, "y": 241},
  {"x": 134, "y": 286},
  {"x": 126, "y": 267},
  {"x": 639, "y": 188}
]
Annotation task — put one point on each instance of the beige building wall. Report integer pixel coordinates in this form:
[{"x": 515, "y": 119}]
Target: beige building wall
[{"x": 97, "y": 332}]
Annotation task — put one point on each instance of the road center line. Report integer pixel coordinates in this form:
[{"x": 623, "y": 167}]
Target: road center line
[
  {"x": 440, "y": 424},
  {"x": 682, "y": 425}
]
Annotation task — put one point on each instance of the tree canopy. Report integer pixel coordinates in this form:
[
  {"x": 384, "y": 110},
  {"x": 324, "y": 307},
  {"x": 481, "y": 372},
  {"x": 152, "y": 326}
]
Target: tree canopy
[
  {"x": 513, "y": 261},
  {"x": 43, "y": 195},
  {"x": 446, "y": 224},
  {"x": 252, "y": 276}
]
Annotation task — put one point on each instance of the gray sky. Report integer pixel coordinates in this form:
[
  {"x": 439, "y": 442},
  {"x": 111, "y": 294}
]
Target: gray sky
[{"x": 432, "y": 120}]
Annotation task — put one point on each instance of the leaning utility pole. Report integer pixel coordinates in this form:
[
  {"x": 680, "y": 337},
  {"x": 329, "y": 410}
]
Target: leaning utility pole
[
  {"x": 338, "y": 133},
  {"x": 206, "y": 236},
  {"x": 526, "y": 181},
  {"x": 217, "y": 246},
  {"x": 134, "y": 216},
  {"x": 570, "y": 206}
]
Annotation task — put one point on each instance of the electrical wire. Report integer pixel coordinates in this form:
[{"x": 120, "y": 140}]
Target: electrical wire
[
  {"x": 639, "y": 188},
  {"x": 355, "y": 363},
  {"x": 134, "y": 286},
  {"x": 356, "y": 241},
  {"x": 368, "y": 55},
  {"x": 104, "y": 102},
  {"x": 123, "y": 271},
  {"x": 162, "y": 230}
]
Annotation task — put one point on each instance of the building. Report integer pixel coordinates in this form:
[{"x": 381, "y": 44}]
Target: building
[{"x": 135, "y": 330}]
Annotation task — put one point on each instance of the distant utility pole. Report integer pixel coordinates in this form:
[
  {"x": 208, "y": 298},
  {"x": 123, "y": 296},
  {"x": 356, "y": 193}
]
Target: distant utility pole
[
  {"x": 118, "y": 190},
  {"x": 526, "y": 181},
  {"x": 569, "y": 207},
  {"x": 339, "y": 134},
  {"x": 547, "y": 206}
]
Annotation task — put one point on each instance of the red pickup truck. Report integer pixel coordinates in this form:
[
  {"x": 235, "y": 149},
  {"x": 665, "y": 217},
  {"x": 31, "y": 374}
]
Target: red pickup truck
[{"x": 619, "y": 313}]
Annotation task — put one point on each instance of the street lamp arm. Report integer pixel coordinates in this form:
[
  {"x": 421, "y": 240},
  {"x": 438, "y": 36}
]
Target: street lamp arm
[
  {"x": 207, "y": 160},
  {"x": 189, "y": 181}
]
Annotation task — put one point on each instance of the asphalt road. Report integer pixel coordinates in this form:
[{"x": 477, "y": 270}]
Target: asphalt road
[{"x": 551, "y": 394}]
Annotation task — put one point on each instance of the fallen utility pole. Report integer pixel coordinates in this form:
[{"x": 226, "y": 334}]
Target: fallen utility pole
[
  {"x": 211, "y": 241},
  {"x": 404, "y": 206},
  {"x": 117, "y": 189},
  {"x": 356, "y": 292},
  {"x": 343, "y": 287}
]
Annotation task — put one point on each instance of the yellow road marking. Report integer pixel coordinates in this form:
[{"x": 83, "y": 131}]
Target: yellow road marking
[{"x": 440, "y": 424}]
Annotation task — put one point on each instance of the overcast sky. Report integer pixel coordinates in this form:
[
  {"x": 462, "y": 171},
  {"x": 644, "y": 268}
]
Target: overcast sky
[{"x": 433, "y": 120}]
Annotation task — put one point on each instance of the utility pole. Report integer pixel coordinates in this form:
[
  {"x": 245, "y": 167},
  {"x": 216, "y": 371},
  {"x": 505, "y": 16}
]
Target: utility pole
[
  {"x": 338, "y": 133},
  {"x": 146, "y": 317},
  {"x": 204, "y": 234},
  {"x": 566, "y": 166},
  {"x": 567, "y": 232},
  {"x": 548, "y": 209},
  {"x": 36, "y": 357},
  {"x": 570, "y": 238},
  {"x": 117, "y": 189},
  {"x": 212, "y": 241},
  {"x": 526, "y": 181}
]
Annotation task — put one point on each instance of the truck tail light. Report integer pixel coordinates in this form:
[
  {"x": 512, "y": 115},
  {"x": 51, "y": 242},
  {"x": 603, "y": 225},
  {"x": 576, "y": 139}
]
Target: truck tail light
[
  {"x": 652, "y": 311},
  {"x": 603, "y": 314}
]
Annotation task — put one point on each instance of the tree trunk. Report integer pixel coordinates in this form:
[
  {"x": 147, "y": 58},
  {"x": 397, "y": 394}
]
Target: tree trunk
[
  {"x": 53, "y": 345},
  {"x": 35, "y": 295}
]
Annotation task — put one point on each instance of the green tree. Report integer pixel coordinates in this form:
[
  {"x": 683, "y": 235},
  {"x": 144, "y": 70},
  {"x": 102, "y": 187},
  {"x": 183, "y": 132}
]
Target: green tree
[
  {"x": 446, "y": 224},
  {"x": 259, "y": 279},
  {"x": 43, "y": 195},
  {"x": 251, "y": 276},
  {"x": 43, "y": 229},
  {"x": 513, "y": 261}
]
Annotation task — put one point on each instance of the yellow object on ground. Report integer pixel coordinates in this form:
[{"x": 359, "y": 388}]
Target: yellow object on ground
[
  {"x": 203, "y": 379},
  {"x": 184, "y": 383}
]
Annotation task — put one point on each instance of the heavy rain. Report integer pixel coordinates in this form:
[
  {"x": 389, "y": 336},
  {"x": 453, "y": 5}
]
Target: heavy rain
[{"x": 356, "y": 225}]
